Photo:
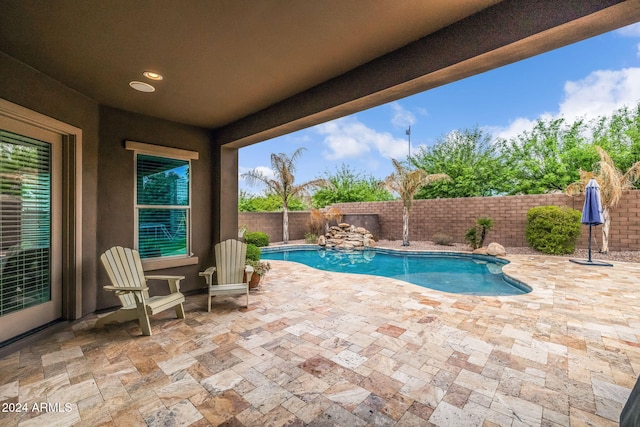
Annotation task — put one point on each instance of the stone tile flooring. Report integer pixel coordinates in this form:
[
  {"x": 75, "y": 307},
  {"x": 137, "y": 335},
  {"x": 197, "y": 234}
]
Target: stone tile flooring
[{"x": 323, "y": 349}]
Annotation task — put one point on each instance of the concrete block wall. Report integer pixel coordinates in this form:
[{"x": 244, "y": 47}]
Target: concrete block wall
[
  {"x": 625, "y": 224},
  {"x": 455, "y": 216},
  {"x": 271, "y": 223}
]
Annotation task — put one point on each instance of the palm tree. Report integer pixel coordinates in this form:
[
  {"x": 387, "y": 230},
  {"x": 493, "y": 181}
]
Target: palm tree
[
  {"x": 282, "y": 184},
  {"x": 406, "y": 183},
  {"x": 612, "y": 182}
]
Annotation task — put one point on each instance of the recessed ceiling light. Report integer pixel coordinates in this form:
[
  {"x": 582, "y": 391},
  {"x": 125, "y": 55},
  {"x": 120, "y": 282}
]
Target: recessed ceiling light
[
  {"x": 142, "y": 87},
  {"x": 151, "y": 75}
]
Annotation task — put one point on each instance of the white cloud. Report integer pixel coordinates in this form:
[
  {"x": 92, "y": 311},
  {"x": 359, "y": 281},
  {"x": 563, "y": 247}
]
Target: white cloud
[
  {"x": 597, "y": 95},
  {"x": 515, "y": 127},
  {"x": 349, "y": 138},
  {"x": 600, "y": 93},
  {"x": 265, "y": 170},
  {"x": 632, "y": 30},
  {"x": 402, "y": 118},
  {"x": 241, "y": 170}
]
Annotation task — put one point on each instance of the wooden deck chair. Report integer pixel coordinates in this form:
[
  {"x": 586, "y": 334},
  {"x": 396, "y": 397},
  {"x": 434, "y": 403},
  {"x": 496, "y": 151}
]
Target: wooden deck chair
[
  {"x": 124, "y": 268},
  {"x": 230, "y": 269}
]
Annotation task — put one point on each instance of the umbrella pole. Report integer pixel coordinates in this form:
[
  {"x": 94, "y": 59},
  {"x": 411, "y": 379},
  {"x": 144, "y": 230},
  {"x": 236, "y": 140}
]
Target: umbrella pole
[
  {"x": 590, "y": 243},
  {"x": 590, "y": 261}
]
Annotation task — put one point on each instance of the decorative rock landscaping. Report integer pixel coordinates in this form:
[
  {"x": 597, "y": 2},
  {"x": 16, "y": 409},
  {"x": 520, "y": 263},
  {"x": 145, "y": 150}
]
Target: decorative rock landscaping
[
  {"x": 347, "y": 237},
  {"x": 494, "y": 249}
]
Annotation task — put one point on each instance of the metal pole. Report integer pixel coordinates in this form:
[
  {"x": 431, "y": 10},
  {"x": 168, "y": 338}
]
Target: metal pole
[
  {"x": 589, "y": 243},
  {"x": 408, "y": 132}
]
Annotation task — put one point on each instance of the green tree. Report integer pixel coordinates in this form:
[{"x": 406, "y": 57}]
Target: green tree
[
  {"x": 16, "y": 161},
  {"x": 471, "y": 161},
  {"x": 267, "y": 203},
  {"x": 349, "y": 186},
  {"x": 406, "y": 182},
  {"x": 161, "y": 187},
  {"x": 619, "y": 135},
  {"x": 283, "y": 184},
  {"x": 546, "y": 158}
]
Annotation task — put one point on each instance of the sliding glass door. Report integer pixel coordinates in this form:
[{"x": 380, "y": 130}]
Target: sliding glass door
[{"x": 30, "y": 227}]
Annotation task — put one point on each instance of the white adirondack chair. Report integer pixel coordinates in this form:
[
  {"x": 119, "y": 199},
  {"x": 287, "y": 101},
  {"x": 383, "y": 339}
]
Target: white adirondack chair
[
  {"x": 231, "y": 256},
  {"x": 127, "y": 277}
]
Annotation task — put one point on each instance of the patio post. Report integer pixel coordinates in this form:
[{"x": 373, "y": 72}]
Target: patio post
[{"x": 225, "y": 212}]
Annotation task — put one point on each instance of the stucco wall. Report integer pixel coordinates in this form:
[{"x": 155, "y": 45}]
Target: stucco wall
[
  {"x": 107, "y": 171},
  {"x": 31, "y": 89},
  {"x": 116, "y": 187}
]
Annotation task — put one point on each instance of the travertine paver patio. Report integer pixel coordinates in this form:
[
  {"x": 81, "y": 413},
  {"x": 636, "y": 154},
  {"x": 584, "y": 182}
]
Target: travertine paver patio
[{"x": 318, "y": 348}]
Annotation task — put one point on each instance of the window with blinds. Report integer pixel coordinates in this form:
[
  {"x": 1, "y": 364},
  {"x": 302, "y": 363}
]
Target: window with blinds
[
  {"x": 163, "y": 206},
  {"x": 25, "y": 222}
]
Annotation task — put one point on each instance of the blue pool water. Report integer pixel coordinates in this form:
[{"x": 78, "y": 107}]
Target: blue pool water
[{"x": 448, "y": 272}]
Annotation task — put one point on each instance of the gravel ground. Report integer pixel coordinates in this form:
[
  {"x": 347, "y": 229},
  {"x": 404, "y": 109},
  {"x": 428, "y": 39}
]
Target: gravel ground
[{"x": 630, "y": 256}]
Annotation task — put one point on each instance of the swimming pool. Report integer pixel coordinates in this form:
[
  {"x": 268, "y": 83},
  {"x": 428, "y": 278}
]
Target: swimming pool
[{"x": 443, "y": 271}]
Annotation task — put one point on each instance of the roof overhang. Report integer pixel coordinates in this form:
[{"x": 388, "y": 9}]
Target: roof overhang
[{"x": 256, "y": 70}]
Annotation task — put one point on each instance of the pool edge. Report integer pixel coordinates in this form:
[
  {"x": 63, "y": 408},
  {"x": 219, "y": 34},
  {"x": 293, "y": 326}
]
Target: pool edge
[{"x": 526, "y": 289}]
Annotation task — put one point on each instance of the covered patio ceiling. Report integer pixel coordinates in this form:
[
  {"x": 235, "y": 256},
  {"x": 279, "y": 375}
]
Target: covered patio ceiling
[{"x": 256, "y": 70}]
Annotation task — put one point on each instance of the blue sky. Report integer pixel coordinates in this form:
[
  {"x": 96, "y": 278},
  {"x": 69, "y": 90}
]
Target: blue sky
[{"x": 586, "y": 79}]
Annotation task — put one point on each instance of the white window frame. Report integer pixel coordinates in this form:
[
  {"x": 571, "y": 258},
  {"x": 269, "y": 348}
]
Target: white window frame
[{"x": 170, "y": 153}]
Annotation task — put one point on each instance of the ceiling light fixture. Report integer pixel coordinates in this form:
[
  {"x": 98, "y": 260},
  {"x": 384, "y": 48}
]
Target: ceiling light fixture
[
  {"x": 142, "y": 87},
  {"x": 152, "y": 76}
]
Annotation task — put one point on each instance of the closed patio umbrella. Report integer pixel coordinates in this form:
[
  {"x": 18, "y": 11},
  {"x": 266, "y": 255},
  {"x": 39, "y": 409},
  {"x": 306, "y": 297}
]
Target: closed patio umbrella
[{"x": 592, "y": 216}]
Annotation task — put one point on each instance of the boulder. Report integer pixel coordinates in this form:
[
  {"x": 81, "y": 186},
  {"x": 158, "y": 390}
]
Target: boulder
[
  {"x": 347, "y": 237},
  {"x": 496, "y": 249},
  {"x": 480, "y": 251}
]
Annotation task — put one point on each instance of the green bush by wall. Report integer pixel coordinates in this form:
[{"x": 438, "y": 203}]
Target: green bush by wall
[
  {"x": 553, "y": 229},
  {"x": 253, "y": 252},
  {"x": 257, "y": 238}
]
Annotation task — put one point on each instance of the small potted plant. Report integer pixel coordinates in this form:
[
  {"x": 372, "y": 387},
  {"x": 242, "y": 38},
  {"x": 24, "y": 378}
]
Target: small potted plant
[{"x": 260, "y": 268}]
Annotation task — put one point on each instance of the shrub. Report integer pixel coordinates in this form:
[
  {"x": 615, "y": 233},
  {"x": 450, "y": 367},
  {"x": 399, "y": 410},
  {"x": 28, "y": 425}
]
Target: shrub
[
  {"x": 475, "y": 236},
  {"x": 315, "y": 225},
  {"x": 471, "y": 237},
  {"x": 310, "y": 238},
  {"x": 333, "y": 215},
  {"x": 553, "y": 229},
  {"x": 253, "y": 252},
  {"x": 257, "y": 238},
  {"x": 442, "y": 239}
]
